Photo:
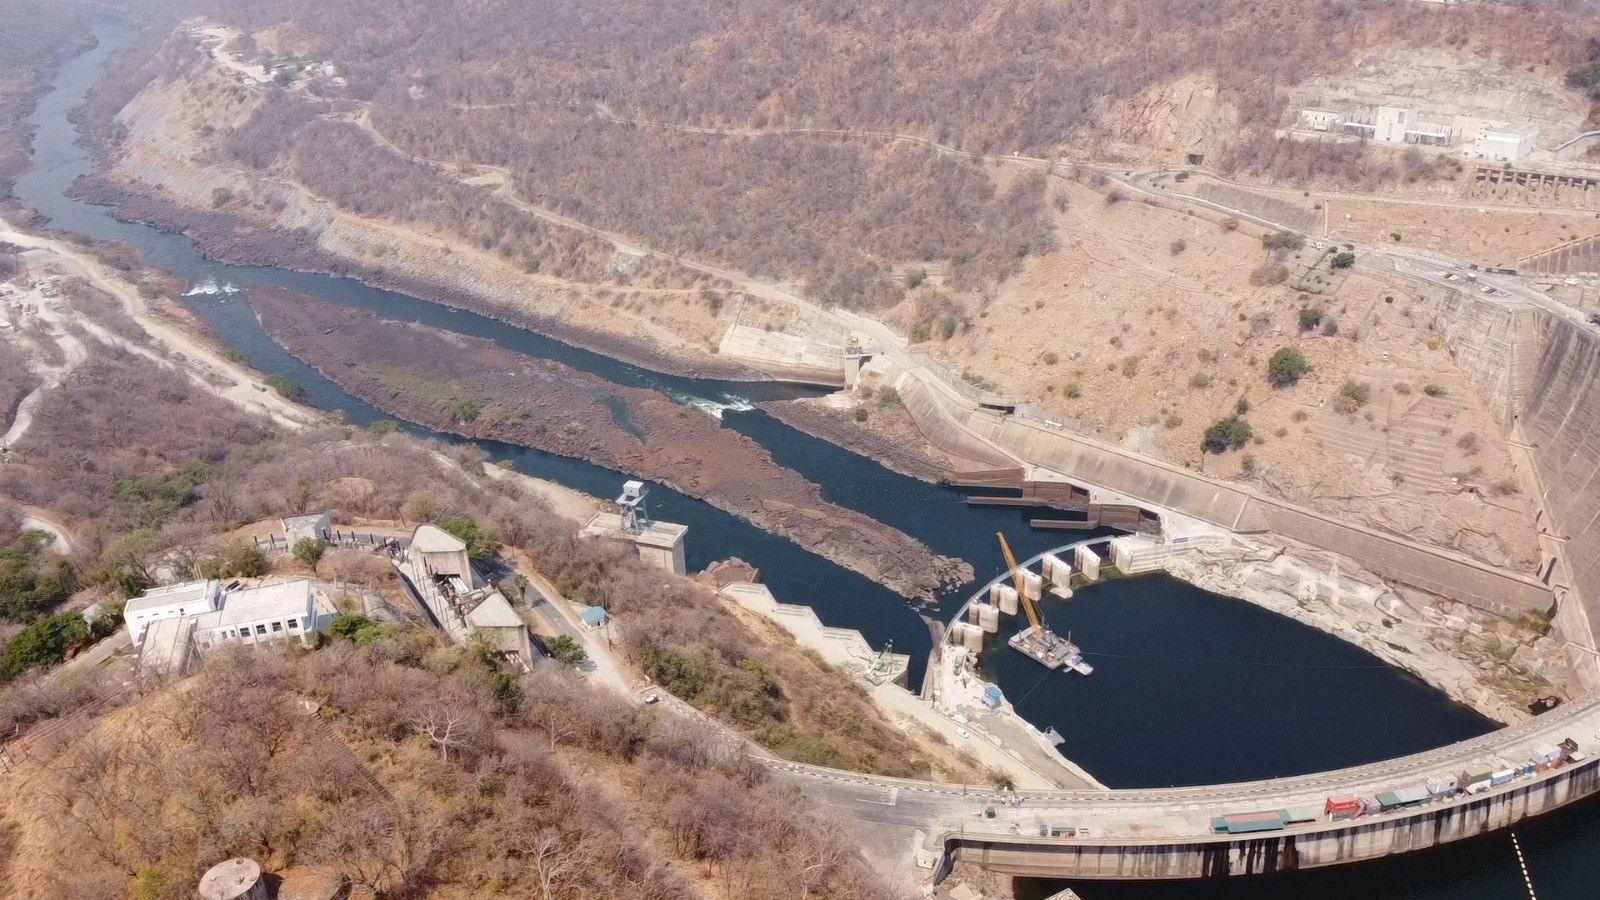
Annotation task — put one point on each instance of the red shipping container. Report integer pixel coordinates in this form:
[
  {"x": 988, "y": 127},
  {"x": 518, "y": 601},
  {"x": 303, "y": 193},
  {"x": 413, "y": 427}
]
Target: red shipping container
[{"x": 1343, "y": 806}]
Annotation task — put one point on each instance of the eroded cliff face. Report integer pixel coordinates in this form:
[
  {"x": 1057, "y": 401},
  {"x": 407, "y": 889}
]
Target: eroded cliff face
[{"x": 1539, "y": 373}]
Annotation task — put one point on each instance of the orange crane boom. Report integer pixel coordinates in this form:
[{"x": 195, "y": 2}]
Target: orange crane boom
[{"x": 1016, "y": 579}]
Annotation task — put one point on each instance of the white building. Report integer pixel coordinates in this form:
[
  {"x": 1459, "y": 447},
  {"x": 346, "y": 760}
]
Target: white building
[
  {"x": 1391, "y": 123},
  {"x": 1500, "y": 142},
  {"x": 271, "y": 612},
  {"x": 190, "y": 598},
  {"x": 169, "y": 624},
  {"x": 1321, "y": 119},
  {"x": 316, "y": 526}
]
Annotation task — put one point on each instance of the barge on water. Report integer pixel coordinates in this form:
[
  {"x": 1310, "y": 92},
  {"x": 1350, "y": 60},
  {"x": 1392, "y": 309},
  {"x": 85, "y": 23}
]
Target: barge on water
[{"x": 1050, "y": 650}]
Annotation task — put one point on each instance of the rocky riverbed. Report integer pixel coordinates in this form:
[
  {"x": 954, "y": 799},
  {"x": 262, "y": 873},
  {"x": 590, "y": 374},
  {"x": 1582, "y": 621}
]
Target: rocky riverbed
[{"x": 474, "y": 388}]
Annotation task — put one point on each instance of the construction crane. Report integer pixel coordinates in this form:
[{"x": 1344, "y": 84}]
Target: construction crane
[
  {"x": 1039, "y": 642},
  {"x": 1016, "y": 579}
]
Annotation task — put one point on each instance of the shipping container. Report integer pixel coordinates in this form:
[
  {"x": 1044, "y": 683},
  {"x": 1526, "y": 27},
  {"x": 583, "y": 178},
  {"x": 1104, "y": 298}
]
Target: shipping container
[
  {"x": 1342, "y": 806},
  {"x": 1546, "y": 754},
  {"x": 1294, "y": 815},
  {"x": 1253, "y": 827},
  {"x": 1504, "y": 776},
  {"x": 1442, "y": 787},
  {"x": 1265, "y": 815},
  {"x": 1411, "y": 796}
]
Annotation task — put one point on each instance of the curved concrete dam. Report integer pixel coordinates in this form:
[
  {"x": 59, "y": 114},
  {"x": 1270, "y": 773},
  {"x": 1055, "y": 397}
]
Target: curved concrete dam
[{"x": 911, "y": 804}]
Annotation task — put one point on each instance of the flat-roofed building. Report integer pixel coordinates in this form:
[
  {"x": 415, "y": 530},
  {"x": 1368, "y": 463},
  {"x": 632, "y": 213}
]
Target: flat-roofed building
[
  {"x": 1321, "y": 119},
  {"x": 271, "y": 612},
  {"x": 1500, "y": 142},
  {"x": 316, "y": 526},
  {"x": 188, "y": 598},
  {"x": 171, "y": 625}
]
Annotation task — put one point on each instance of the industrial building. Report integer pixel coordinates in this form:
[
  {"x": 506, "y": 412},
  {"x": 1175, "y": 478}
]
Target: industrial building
[
  {"x": 1403, "y": 126},
  {"x": 172, "y": 625},
  {"x": 439, "y": 568}
]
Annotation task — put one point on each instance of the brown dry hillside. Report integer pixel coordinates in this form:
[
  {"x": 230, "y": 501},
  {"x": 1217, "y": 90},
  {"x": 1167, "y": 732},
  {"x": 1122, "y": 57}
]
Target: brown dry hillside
[{"x": 327, "y": 763}]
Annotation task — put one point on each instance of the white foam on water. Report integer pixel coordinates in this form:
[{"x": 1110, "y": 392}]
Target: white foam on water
[
  {"x": 210, "y": 288},
  {"x": 714, "y": 408}
]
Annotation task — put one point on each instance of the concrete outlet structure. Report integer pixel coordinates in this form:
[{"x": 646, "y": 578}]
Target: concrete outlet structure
[{"x": 659, "y": 543}]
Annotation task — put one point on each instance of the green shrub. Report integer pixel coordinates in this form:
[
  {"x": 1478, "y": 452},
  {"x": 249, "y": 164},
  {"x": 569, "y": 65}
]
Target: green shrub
[
  {"x": 1229, "y": 434},
  {"x": 1435, "y": 390},
  {"x": 357, "y": 629},
  {"x": 564, "y": 649},
  {"x": 482, "y": 545},
  {"x": 1310, "y": 317},
  {"x": 1286, "y": 367},
  {"x": 1344, "y": 260},
  {"x": 288, "y": 387},
  {"x": 44, "y": 643},
  {"x": 310, "y": 551},
  {"x": 33, "y": 581}
]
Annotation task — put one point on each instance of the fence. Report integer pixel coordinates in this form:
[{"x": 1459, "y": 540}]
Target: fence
[{"x": 358, "y": 540}]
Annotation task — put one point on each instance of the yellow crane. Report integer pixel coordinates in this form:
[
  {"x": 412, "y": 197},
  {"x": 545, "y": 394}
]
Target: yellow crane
[{"x": 1016, "y": 579}]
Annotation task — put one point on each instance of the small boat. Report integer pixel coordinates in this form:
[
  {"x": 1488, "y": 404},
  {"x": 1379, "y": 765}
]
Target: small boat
[
  {"x": 1054, "y": 736},
  {"x": 1080, "y": 665}
]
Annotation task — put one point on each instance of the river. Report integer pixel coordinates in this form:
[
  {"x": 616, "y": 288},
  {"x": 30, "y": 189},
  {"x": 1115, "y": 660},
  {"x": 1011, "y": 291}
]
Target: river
[{"x": 1190, "y": 687}]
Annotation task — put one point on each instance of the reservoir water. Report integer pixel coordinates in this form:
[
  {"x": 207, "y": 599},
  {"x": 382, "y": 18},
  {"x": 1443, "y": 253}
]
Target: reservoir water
[{"x": 1189, "y": 687}]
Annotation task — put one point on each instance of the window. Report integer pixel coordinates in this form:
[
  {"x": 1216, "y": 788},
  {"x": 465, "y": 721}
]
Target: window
[
  {"x": 277, "y": 626},
  {"x": 294, "y": 624},
  {"x": 261, "y": 629}
]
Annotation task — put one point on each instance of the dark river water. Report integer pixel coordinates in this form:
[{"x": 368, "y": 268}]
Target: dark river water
[{"x": 1190, "y": 687}]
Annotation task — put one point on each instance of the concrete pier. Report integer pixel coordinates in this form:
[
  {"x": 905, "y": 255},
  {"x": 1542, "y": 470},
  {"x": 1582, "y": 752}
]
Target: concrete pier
[{"x": 1088, "y": 563}]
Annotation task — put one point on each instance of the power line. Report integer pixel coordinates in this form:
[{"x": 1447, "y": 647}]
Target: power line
[{"x": 1217, "y": 661}]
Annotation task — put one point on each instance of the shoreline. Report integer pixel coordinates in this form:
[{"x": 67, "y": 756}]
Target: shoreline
[
  {"x": 581, "y": 416},
  {"x": 248, "y": 240}
]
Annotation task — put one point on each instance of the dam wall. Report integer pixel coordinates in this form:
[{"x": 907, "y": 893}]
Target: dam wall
[
  {"x": 1539, "y": 372},
  {"x": 1306, "y": 847},
  {"x": 958, "y": 423}
]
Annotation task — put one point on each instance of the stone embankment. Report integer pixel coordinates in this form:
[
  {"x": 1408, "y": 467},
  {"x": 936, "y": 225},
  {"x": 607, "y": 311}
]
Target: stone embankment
[{"x": 476, "y": 389}]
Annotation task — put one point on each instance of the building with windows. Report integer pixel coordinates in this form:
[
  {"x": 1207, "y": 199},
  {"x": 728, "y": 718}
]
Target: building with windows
[
  {"x": 171, "y": 625},
  {"x": 271, "y": 612}
]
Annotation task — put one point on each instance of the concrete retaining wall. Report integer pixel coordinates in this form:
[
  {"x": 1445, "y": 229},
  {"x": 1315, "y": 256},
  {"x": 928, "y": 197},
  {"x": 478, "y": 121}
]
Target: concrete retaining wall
[
  {"x": 957, "y": 424},
  {"x": 1304, "y": 848},
  {"x": 1538, "y": 373}
]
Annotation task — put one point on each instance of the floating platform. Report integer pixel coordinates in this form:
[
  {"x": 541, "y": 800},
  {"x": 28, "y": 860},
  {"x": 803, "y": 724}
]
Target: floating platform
[{"x": 1050, "y": 650}]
